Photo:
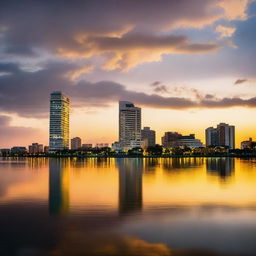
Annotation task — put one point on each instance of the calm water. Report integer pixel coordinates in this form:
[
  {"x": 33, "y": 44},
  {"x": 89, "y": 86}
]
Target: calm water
[{"x": 128, "y": 207}]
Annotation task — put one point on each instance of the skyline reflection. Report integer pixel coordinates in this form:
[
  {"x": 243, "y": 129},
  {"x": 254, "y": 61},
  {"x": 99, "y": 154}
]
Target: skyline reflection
[
  {"x": 58, "y": 186},
  {"x": 223, "y": 167},
  {"x": 130, "y": 185}
]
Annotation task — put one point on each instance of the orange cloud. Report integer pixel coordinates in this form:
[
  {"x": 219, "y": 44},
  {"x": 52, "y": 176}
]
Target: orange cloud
[
  {"x": 129, "y": 50},
  {"x": 225, "y": 31}
]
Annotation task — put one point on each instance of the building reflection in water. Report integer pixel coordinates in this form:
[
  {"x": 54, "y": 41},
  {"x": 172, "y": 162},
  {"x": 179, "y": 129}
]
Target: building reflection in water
[
  {"x": 130, "y": 185},
  {"x": 223, "y": 167},
  {"x": 170, "y": 164},
  {"x": 58, "y": 186}
]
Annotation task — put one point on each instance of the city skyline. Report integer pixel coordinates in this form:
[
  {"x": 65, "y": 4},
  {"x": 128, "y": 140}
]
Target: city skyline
[
  {"x": 187, "y": 64},
  {"x": 131, "y": 134}
]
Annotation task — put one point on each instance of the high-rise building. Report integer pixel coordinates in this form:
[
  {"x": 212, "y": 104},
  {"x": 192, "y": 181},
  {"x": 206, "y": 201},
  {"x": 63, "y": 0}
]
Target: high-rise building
[
  {"x": 223, "y": 135},
  {"x": 211, "y": 135},
  {"x": 76, "y": 143},
  {"x": 148, "y": 137},
  {"x": 129, "y": 125},
  {"x": 59, "y": 122},
  {"x": 35, "y": 148}
]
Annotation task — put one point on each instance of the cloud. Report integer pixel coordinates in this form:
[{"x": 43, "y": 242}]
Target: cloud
[
  {"x": 159, "y": 88},
  {"x": 27, "y": 93},
  {"x": 225, "y": 31},
  {"x": 240, "y": 81},
  {"x": 125, "y": 52},
  {"x": 16, "y": 135},
  {"x": 126, "y": 34},
  {"x": 235, "y": 9}
]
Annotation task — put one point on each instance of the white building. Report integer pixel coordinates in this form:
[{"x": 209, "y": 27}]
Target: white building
[{"x": 129, "y": 125}]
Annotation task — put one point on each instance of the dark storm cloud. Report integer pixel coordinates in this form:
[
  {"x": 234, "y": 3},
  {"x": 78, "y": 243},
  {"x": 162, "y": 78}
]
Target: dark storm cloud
[
  {"x": 82, "y": 29},
  {"x": 27, "y": 93},
  {"x": 240, "y": 81}
]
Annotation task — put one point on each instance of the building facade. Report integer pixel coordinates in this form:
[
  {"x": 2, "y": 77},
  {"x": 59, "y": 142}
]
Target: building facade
[
  {"x": 174, "y": 139},
  {"x": 223, "y": 136},
  {"x": 87, "y": 145},
  {"x": 211, "y": 137},
  {"x": 102, "y": 145},
  {"x": 248, "y": 144},
  {"x": 148, "y": 137},
  {"x": 129, "y": 125},
  {"x": 76, "y": 143},
  {"x": 59, "y": 122},
  {"x": 35, "y": 148}
]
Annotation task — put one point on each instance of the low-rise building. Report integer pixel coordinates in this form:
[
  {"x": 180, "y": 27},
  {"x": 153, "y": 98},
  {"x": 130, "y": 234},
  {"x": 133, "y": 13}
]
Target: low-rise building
[
  {"x": 76, "y": 143},
  {"x": 35, "y": 148},
  {"x": 84, "y": 146},
  {"x": 102, "y": 145},
  {"x": 174, "y": 139},
  {"x": 18, "y": 150},
  {"x": 248, "y": 144}
]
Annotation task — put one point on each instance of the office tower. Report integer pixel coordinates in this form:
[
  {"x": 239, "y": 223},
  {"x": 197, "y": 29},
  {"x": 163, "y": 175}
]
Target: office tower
[
  {"x": 129, "y": 125},
  {"x": 35, "y": 148},
  {"x": 76, "y": 143},
  {"x": 226, "y": 135},
  {"x": 148, "y": 137},
  {"x": 223, "y": 135},
  {"x": 211, "y": 137},
  {"x": 174, "y": 139},
  {"x": 59, "y": 122}
]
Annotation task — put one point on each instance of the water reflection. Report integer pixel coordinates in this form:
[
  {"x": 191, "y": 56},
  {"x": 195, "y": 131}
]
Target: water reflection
[
  {"x": 223, "y": 167},
  {"x": 170, "y": 164},
  {"x": 179, "y": 207},
  {"x": 58, "y": 186},
  {"x": 130, "y": 185}
]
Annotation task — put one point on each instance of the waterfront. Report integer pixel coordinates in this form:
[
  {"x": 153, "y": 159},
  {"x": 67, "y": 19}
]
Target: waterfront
[{"x": 127, "y": 206}]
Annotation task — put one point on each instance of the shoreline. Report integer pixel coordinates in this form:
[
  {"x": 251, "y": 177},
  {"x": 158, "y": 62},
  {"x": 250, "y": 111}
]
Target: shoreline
[{"x": 133, "y": 156}]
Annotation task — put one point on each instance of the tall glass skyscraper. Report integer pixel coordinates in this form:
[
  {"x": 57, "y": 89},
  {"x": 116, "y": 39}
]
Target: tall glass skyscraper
[
  {"x": 129, "y": 125},
  {"x": 59, "y": 122}
]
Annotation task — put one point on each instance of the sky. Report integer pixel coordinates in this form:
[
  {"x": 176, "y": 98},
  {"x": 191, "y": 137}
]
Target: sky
[{"x": 189, "y": 64}]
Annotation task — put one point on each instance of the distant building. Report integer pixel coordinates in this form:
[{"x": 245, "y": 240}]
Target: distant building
[
  {"x": 248, "y": 144},
  {"x": 116, "y": 146},
  {"x": 102, "y": 145},
  {"x": 129, "y": 125},
  {"x": 76, "y": 143},
  {"x": 18, "y": 150},
  {"x": 59, "y": 122},
  {"x": 174, "y": 139},
  {"x": 87, "y": 146},
  {"x": 223, "y": 135},
  {"x": 211, "y": 135},
  {"x": 35, "y": 148},
  {"x": 5, "y": 151},
  {"x": 148, "y": 137},
  {"x": 46, "y": 149}
]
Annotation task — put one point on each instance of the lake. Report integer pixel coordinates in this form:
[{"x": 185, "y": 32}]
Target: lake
[{"x": 127, "y": 206}]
